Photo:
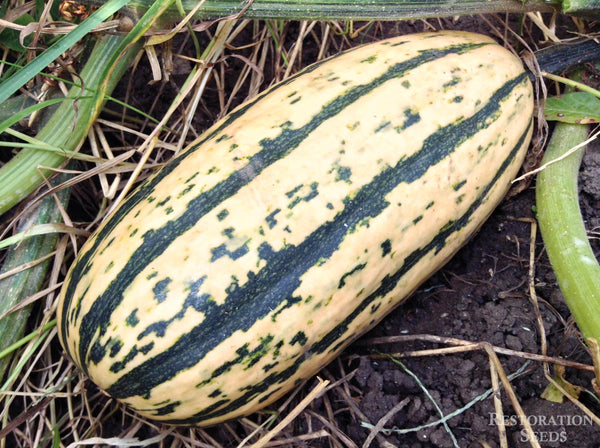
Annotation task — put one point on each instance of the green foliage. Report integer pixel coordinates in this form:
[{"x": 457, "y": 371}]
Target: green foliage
[
  {"x": 575, "y": 107},
  {"x": 12, "y": 84}
]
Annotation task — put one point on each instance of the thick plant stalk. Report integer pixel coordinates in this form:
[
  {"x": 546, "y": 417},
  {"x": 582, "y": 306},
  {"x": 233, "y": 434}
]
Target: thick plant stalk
[
  {"x": 563, "y": 229},
  {"x": 339, "y": 9},
  {"x": 15, "y": 288},
  {"x": 68, "y": 125},
  {"x": 590, "y": 8}
]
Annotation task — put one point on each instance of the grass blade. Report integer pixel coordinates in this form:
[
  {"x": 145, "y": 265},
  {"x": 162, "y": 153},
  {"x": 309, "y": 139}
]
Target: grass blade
[
  {"x": 27, "y": 282},
  {"x": 15, "y": 82}
]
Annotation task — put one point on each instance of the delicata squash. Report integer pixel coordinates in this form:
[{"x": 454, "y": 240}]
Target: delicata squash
[{"x": 294, "y": 225}]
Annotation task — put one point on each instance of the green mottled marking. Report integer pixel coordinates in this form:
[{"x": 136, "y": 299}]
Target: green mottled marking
[
  {"x": 244, "y": 356},
  {"x": 115, "y": 347},
  {"x": 270, "y": 366},
  {"x": 296, "y": 100},
  {"x": 192, "y": 177},
  {"x": 311, "y": 194},
  {"x": 369, "y": 60},
  {"x": 288, "y": 304},
  {"x": 485, "y": 149},
  {"x": 457, "y": 99},
  {"x": 364, "y": 223},
  {"x": 383, "y": 126},
  {"x": 186, "y": 190},
  {"x": 294, "y": 190},
  {"x": 342, "y": 173},
  {"x": 410, "y": 117},
  {"x": 454, "y": 81},
  {"x": 215, "y": 393},
  {"x": 161, "y": 290},
  {"x": 120, "y": 365},
  {"x": 169, "y": 408},
  {"x": 222, "y": 214},
  {"x": 417, "y": 219},
  {"x": 375, "y": 307},
  {"x": 193, "y": 300},
  {"x": 132, "y": 234},
  {"x": 223, "y": 251},
  {"x": 457, "y": 186},
  {"x": 270, "y": 219},
  {"x": 109, "y": 266},
  {"x": 277, "y": 349},
  {"x": 386, "y": 247},
  {"x": 235, "y": 283},
  {"x": 353, "y": 126},
  {"x": 259, "y": 352},
  {"x": 299, "y": 338},
  {"x": 354, "y": 270},
  {"x": 164, "y": 201},
  {"x": 132, "y": 320},
  {"x": 223, "y": 138},
  {"x": 109, "y": 243},
  {"x": 406, "y": 84}
]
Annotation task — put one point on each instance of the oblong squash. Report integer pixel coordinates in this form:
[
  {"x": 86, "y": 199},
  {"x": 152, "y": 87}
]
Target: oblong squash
[{"x": 294, "y": 225}]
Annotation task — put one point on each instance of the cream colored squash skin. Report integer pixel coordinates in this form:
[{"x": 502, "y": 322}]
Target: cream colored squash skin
[{"x": 294, "y": 225}]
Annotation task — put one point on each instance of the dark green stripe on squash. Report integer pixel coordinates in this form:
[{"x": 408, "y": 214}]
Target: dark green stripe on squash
[{"x": 159, "y": 366}]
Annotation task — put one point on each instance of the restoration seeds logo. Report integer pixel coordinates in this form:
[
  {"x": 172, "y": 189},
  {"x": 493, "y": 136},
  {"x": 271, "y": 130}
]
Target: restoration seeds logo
[{"x": 547, "y": 428}]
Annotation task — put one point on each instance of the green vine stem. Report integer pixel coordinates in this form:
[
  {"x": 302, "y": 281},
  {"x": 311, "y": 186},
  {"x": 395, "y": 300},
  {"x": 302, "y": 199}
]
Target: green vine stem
[
  {"x": 339, "y": 9},
  {"x": 563, "y": 229},
  {"x": 31, "y": 253},
  {"x": 68, "y": 125}
]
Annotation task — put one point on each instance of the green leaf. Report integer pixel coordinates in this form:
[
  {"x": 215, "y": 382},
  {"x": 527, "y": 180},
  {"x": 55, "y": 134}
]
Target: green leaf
[{"x": 576, "y": 107}]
